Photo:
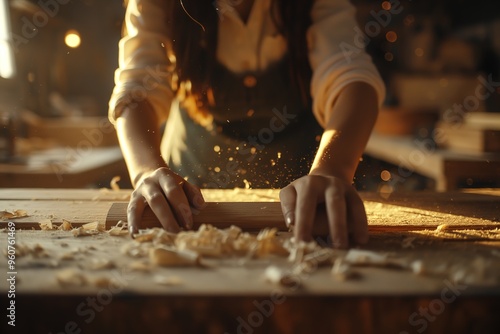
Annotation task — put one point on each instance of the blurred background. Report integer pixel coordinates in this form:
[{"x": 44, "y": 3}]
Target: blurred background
[{"x": 438, "y": 129}]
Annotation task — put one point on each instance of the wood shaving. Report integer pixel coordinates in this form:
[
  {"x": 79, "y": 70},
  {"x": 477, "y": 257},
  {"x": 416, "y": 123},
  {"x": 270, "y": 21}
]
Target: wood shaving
[
  {"x": 165, "y": 257},
  {"x": 443, "y": 227},
  {"x": 6, "y": 215},
  {"x": 119, "y": 230},
  {"x": 168, "y": 281},
  {"x": 114, "y": 183},
  {"x": 102, "y": 282},
  {"x": 94, "y": 226},
  {"x": 36, "y": 250},
  {"x": 208, "y": 241},
  {"x": 312, "y": 261},
  {"x": 71, "y": 277},
  {"x": 135, "y": 249},
  {"x": 474, "y": 274},
  {"x": 89, "y": 229},
  {"x": 140, "y": 266},
  {"x": 46, "y": 225},
  {"x": 100, "y": 264},
  {"x": 70, "y": 256},
  {"x": 65, "y": 226},
  {"x": 146, "y": 236},
  {"x": 299, "y": 250},
  {"x": 269, "y": 244},
  {"x": 280, "y": 277},
  {"x": 342, "y": 271},
  {"x": 408, "y": 242},
  {"x": 417, "y": 267},
  {"x": 81, "y": 232},
  {"x": 365, "y": 257}
]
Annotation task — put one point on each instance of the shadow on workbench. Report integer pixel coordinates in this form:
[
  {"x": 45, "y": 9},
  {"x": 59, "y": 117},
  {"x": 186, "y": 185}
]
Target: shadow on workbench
[{"x": 256, "y": 314}]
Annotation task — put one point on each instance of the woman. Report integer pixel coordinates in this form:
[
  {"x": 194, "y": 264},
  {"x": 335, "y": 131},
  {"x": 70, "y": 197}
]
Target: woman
[{"x": 253, "y": 92}]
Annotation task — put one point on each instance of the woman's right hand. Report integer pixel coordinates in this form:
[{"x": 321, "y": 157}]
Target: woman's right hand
[{"x": 169, "y": 196}]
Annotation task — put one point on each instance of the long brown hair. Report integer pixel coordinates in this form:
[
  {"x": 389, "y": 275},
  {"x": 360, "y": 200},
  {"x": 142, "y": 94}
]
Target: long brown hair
[{"x": 195, "y": 48}]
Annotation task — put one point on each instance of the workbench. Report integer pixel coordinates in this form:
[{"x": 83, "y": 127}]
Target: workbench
[{"x": 454, "y": 236}]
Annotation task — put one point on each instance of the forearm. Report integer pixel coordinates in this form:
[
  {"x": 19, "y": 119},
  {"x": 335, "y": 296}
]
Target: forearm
[
  {"x": 347, "y": 131},
  {"x": 139, "y": 137}
]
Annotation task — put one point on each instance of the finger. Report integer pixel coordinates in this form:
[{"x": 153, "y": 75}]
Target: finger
[
  {"x": 135, "y": 210},
  {"x": 305, "y": 213},
  {"x": 356, "y": 216},
  {"x": 194, "y": 195},
  {"x": 288, "y": 197},
  {"x": 176, "y": 198},
  {"x": 336, "y": 211},
  {"x": 160, "y": 207}
]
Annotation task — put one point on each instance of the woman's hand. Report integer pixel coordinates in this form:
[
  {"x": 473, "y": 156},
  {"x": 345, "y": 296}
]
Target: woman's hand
[
  {"x": 345, "y": 212},
  {"x": 170, "y": 198}
]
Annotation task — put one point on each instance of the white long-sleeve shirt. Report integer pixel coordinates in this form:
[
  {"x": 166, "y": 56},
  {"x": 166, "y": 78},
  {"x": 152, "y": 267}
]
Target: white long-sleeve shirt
[{"x": 252, "y": 46}]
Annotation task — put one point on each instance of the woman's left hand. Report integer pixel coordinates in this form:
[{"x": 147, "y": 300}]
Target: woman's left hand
[{"x": 345, "y": 212}]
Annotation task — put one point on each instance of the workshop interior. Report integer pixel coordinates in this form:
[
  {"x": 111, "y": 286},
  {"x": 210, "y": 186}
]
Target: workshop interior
[{"x": 58, "y": 75}]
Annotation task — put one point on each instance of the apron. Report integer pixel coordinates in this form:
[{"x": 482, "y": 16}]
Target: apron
[{"x": 261, "y": 136}]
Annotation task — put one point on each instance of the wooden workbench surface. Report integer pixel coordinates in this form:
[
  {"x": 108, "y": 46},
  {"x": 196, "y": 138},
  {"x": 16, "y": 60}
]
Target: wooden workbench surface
[{"x": 455, "y": 236}]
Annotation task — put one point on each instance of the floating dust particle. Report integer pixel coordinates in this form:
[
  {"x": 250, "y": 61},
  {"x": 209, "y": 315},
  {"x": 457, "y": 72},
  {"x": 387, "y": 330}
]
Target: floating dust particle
[
  {"x": 114, "y": 183},
  {"x": 279, "y": 155},
  {"x": 217, "y": 169},
  {"x": 253, "y": 150},
  {"x": 273, "y": 162},
  {"x": 230, "y": 159},
  {"x": 217, "y": 149}
]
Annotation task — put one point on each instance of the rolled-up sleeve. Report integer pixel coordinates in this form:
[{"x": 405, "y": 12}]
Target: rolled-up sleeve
[
  {"x": 335, "y": 56},
  {"x": 145, "y": 68}
]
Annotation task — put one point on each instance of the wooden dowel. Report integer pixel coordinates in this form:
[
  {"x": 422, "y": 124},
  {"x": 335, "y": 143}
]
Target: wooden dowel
[{"x": 249, "y": 216}]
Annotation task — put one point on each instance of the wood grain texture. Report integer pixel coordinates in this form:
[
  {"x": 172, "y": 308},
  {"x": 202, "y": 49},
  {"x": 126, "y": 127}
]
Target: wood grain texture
[
  {"x": 255, "y": 209},
  {"x": 250, "y": 216}
]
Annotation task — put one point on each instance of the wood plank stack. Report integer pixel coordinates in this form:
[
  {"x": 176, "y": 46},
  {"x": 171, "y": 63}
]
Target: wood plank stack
[{"x": 478, "y": 133}]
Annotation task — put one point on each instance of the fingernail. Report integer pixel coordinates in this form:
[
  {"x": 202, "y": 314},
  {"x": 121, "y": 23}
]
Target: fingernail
[
  {"x": 290, "y": 219},
  {"x": 131, "y": 231}
]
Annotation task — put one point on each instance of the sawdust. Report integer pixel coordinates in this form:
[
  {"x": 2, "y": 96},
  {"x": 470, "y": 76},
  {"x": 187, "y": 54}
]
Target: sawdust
[{"x": 458, "y": 234}]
